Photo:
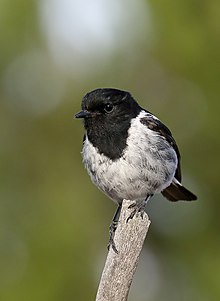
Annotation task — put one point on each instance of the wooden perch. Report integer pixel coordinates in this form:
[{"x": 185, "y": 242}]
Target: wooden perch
[{"x": 120, "y": 268}]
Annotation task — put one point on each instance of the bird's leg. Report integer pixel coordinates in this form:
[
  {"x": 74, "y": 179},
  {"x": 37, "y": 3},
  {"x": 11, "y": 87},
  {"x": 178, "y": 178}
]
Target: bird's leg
[
  {"x": 113, "y": 228},
  {"x": 138, "y": 207}
]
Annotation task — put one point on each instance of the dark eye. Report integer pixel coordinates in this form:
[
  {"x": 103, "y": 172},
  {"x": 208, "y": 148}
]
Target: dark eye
[{"x": 108, "y": 108}]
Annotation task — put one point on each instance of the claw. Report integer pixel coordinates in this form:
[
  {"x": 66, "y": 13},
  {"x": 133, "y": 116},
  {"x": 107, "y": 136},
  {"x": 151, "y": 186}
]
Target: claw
[
  {"x": 138, "y": 208},
  {"x": 112, "y": 244},
  {"x": 113, "y": 228}
]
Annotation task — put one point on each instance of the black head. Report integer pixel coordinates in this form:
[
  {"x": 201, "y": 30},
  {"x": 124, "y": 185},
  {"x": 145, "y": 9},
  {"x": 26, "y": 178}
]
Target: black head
[
  {"x": 108, "y": 104},
  {"x": 107, "y": 115}
]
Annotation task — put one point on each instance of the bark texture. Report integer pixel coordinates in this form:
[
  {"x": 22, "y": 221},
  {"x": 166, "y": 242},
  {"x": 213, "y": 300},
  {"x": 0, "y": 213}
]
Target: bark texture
[{"x": 119, "y": 268}]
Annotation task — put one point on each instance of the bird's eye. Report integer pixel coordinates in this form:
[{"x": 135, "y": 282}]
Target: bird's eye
[{"x": 108, "y": 107}]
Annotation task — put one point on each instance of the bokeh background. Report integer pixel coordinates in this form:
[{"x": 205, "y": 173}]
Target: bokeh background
[{"x": 53, "y": 221}]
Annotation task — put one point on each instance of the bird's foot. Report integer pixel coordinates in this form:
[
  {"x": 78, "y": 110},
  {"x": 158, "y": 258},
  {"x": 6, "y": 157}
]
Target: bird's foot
[
  {"x": 112, "y": 230},
  {"x": 138, "y": 207}
]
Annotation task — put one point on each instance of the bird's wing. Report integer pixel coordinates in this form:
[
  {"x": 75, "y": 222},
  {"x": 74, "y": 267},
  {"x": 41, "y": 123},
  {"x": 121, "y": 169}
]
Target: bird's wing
[{"x": 154, "y": 124}]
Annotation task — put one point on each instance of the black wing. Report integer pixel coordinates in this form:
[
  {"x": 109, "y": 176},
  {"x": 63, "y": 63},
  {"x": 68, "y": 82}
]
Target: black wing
[
  {"x": 156, "y": 125},
  {"x": 175, "y": 191}
]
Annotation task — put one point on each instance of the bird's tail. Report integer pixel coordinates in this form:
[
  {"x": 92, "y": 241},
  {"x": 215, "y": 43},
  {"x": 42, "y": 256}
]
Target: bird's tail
[{"x": 176, "y": 192}]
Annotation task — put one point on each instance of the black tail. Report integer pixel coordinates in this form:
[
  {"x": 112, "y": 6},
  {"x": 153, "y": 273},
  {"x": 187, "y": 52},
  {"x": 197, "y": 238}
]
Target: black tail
[{"x": 176, "y": 192}]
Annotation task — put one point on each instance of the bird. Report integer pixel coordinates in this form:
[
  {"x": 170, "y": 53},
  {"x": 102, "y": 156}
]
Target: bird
[{"x": 128, "y": 152}]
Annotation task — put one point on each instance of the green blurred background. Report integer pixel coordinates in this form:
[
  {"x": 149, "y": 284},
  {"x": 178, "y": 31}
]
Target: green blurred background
[{"x": 53, "y": 221}]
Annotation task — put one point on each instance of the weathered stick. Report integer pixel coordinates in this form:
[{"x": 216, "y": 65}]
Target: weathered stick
[{"x": 120, "y": 268}]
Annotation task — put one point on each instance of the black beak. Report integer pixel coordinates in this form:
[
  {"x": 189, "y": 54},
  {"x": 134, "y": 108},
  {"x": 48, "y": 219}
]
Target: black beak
[{"x": 83, "y": 114}]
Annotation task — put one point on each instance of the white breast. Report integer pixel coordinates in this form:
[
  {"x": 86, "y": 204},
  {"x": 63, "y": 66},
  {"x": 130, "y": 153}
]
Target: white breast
[{"x": 147, "y": 166}]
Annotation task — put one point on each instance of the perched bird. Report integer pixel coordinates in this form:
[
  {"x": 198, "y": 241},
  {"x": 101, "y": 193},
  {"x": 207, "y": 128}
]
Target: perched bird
[{"x": 128, "y": 152}]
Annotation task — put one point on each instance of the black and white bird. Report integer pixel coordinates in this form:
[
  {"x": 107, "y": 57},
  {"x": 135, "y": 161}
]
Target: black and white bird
[{"x": 128, "y": 152}]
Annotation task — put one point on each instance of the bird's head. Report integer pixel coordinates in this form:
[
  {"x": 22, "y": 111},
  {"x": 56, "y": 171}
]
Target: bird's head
[{"x": 108, "y": 107}]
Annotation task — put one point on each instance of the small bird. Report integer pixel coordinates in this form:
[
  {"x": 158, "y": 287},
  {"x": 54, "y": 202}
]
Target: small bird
[{"x": 128, "y": 152}]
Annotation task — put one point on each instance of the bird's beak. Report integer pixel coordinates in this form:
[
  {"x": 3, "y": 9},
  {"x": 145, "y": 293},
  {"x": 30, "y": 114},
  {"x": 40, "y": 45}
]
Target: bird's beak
[{"x": 83, "y": 114}]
